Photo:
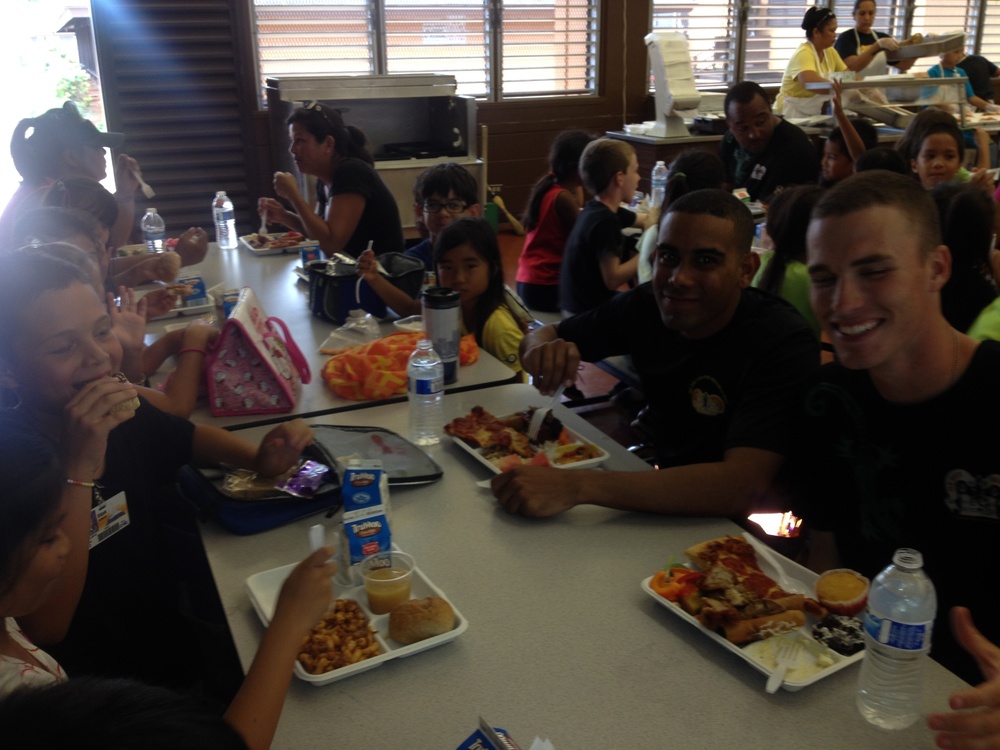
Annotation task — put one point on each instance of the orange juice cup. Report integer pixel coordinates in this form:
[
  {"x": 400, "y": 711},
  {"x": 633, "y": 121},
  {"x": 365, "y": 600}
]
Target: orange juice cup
[{"x": 387, "y": 577}]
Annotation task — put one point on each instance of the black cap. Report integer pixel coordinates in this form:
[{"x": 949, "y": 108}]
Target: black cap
[{"x": 65, "y": 125}]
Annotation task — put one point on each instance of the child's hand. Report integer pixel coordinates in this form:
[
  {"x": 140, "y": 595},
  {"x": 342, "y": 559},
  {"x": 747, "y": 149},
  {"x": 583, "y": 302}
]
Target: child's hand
[
  {"x": 836, "y": 97},
  {"x": 281, "y": 448},
  {"x": 192, "y": 246},
  {"x": 159, "y": 302},
  {"x": 305, "y": 595},
  {"x": 88, "y": 420},
  {"x": 128, "y": 319},
  {"x": 367, "y": 265},
  {"x": 199, "y": 335},
  {"x": 981, "y": 179}
]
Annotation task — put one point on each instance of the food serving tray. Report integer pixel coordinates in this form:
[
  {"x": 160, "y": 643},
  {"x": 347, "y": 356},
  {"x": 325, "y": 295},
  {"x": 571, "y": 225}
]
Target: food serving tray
[
  {"x": 477, "y": 453},
  {"x": 798, "y": 575},
  {"x": 268, "y": 250},
  {"x": 263, "y": 590}
]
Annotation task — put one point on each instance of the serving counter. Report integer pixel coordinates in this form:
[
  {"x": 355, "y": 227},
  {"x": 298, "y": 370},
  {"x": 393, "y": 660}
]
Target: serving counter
[{"x": 561, "y": 641}]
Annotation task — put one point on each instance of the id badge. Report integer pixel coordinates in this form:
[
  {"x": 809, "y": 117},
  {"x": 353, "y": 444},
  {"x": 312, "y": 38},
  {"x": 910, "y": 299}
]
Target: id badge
[{"x": 108, "y": 518}]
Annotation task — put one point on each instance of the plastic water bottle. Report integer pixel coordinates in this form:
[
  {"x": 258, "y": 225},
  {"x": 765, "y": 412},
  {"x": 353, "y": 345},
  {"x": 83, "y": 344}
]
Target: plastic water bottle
[
  {"x": 225, "y": 221},
  {"x": 425, "y": 388},
  {"x": 154, "y": 231},
  {"x": 659, "y": 185},
  {"x": 898, "y": 623}
]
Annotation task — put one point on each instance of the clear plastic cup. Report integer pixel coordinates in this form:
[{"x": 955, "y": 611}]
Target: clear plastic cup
[{"x": 387, "y": 577}]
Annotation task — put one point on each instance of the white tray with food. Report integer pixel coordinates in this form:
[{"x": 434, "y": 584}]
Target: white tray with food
[
  {"x": 263, "y": 589},
  {"x": 276, "y": 244},
  {"x": 501, "y": 443},
  {"x": 815, "y": 659}
]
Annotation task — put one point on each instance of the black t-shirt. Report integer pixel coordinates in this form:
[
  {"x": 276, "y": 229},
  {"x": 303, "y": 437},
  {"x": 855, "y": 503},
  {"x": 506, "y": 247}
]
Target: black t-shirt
[
  {"x": 927, "y": 476},
  {"x": 979, "y": 71},
  {"x": 790, "y": 159},
  {"x": 847, "y": 42},
  {"x": 128, "y": 621},
  {"x": 379, "y": 221},
  {"x": 738, "y": 388},
  {"x": 598, "y": 230}
]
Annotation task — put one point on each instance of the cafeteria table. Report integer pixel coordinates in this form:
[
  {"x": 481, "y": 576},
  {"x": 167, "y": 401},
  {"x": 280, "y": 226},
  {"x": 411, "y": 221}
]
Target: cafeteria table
[
  {"x": 283, "y": 295},
  {"x": 561, "y": 641}
]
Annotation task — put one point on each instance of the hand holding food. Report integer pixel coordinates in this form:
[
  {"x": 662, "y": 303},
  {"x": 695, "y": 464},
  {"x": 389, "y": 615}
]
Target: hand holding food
[
  {"x": 552, "y": 363},
  {"x": 127, "y": 173},
  {"x": 367, "y": 265},
  {"x": 285, "y": 185},
  {"x": 192, "y": 246},
  {"x": 305, "y": 594},
  {"x": 98, "y": 406},
  {"x": 281, "y": 447},
  {"x": 165, "y": 266},
  {"x": 159, "y": 302}
]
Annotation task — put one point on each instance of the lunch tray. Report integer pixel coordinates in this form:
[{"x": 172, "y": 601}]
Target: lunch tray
[
  {"x": 263, "y": 590},
  {"x": 245, "y": 244},
  {"x": 589, "y": 463},
  {"x": 799, "y": 575}
]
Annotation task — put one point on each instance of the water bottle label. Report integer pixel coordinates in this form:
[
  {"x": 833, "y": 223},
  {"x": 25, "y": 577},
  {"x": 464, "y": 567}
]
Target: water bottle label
[
  {"x": 426, "y": 386},
  {"x": 222, "y": 214},
  {"x": 154, "y": 236},
  {"x": 904, "y": 636}
]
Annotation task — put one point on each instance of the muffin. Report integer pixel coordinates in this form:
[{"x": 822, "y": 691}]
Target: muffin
[{"x": 842, "y": 591}]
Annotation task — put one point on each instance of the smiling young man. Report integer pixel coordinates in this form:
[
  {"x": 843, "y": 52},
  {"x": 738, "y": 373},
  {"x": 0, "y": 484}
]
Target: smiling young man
[
  {"x": 721, "y": 364},
  {"x": 897, "y": 451},
  {"x": 762, "y": 152}
]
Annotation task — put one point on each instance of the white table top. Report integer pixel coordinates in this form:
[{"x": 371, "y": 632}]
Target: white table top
[
  {"x": 282, "y": 295},
  {"x": 561, "y": 641}
]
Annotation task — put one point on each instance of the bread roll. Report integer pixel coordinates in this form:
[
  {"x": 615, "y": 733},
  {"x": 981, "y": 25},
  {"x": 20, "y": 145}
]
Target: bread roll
[
  {"x": 418, "y": 619},
  {"x": 131, "y": 404}
]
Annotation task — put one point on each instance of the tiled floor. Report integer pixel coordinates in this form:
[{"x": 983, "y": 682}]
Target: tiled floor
[{"x": 611, "y": 417}]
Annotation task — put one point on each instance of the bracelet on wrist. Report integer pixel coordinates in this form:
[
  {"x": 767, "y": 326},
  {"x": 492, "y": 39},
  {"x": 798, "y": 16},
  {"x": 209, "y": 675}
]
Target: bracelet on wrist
[
  {"x": 78, "y": 483},
  {"x": 191, "y": 349}
]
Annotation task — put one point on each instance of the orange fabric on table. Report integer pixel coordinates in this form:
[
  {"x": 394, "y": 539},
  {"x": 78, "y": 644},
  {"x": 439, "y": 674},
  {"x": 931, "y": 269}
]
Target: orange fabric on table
[{"x": 377, "y": 370}]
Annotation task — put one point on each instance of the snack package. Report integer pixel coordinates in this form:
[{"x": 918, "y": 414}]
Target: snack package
[
  {"x": 479, "y": 741},
  {"x": 198, "y": 294},
  {"x": 365, "y": 531}
]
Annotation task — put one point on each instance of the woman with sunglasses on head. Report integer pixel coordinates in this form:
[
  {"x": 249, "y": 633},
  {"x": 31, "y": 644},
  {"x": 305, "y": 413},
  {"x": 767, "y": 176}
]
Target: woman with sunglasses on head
[
  {"x": 354, "y": 207},
  {"x": 814, "y": 61}
]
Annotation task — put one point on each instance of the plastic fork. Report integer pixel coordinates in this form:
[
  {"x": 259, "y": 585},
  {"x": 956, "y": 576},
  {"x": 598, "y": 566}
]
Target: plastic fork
[
  {"x": 263, "y": 223},
  {"x": 146, "y": 189},
  {"x": 539, "y": 416},
  {"x": 787, "y": 656}
]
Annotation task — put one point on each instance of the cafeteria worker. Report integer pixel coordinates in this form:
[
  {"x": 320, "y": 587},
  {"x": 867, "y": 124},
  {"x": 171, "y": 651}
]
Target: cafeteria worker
[
  {"x": 860, "y": 47},
  {"x": 354, "y": 207},
  {"x": 814, "y": 61}
]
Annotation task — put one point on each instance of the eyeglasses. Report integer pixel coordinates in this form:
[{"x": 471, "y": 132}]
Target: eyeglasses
[{"x": 452, "y": 207}]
